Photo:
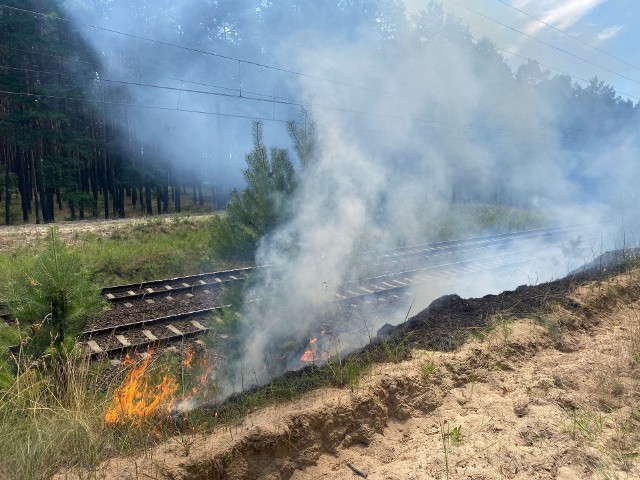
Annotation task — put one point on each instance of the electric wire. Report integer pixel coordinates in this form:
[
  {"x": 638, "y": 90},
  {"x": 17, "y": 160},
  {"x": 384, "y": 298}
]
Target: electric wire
[
  {"x": 138, "y": 105},
  {"x": 518, "y": 55},
  {"x": 278, "y": 100},
  {"x": 543, "y": 42},
  {"x": 273, "y": 119},
  {"x": 192, "y": 49},
  {"x": 259, "y": 64},
  {"x": 317, "y": 77},
  {"x": 563, "y": 32},
  {"x": 146, "y": 74},
  {"x": 270, "y": 99}
]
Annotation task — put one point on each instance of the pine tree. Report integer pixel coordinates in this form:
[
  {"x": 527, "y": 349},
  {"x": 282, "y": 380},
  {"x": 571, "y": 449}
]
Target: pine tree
[{"x": 271, "y": 180}]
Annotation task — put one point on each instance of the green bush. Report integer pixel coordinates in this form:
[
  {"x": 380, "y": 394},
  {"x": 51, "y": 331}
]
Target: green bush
[
  {"x": 271, "y": 180},
  {"x": 51, "y": 296}
]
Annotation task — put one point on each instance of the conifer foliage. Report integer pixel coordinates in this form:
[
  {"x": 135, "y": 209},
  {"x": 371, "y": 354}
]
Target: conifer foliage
[
  {"x": 270, "y": 182},
  {"x": 52, "y": 296}
]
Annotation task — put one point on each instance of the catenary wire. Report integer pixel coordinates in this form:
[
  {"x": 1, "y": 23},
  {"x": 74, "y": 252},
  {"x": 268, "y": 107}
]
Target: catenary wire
[
  {"x": 518, "y": 55},
  {"x": 543, "y": 42},
  {"x": 269, "y": 99},
  {"x": 253, "y": 117},
  {"x": 563, "y": 32}
]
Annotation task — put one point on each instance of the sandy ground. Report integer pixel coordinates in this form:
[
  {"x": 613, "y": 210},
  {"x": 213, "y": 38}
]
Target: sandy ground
[
  {"x": 552, "y": 398},
  {"x": 21, "y": 235}
]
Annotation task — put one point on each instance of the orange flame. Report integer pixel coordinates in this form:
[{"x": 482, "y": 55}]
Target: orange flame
[
  {"x": 187, "y": 361},
  {"x": 137, "y": 398},
  {"x": 201, "y": 380},
  {"x": 309, "y": 355}
]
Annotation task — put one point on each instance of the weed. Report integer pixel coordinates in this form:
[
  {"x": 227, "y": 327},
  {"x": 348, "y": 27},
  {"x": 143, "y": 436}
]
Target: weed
[
  {"x": 584, "y": 424},
  {"x": 444, "y": 437},
  {"x": 618, "y": 388},
  {"x": 560, "y": 381},
  {"x": 473, "y": 378},
  {"x": 448, "y": 435},
  {"x": 428, "y": 368},
  {"x": 456, "y": 434}
]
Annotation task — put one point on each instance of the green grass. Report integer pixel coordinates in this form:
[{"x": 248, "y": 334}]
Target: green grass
[
  {"x": 50, "y": 422},
  {"x": 145, "y": 251},
  {"x": 155, "y": 248}
]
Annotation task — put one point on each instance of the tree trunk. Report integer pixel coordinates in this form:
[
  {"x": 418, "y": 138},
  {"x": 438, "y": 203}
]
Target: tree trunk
[
  {"x": 7, "y": 193},
  {"x": 147, "y": 199},
  {"x": 34, "y": 188},
  {"x": 176, "y": 190}
]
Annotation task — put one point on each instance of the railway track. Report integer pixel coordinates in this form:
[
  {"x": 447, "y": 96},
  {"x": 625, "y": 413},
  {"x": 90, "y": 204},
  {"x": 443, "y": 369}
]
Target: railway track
[
  {"x": 191, "y": 283},
  {"x": 388, "y": 258},
  {"x": 485, "y": 240},
  {"x": 145, "y": 334},
  {"x": 389, "y": 272},
  {"x": 140, "y": 335}
]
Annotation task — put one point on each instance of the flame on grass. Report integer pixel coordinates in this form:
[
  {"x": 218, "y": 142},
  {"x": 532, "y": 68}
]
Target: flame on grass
[
  {"x": 309, "y": 355},
  {"x": 200, "y": 383},
  {"x": 138, "y": 397},
  {"x": 315, "y": 351}
]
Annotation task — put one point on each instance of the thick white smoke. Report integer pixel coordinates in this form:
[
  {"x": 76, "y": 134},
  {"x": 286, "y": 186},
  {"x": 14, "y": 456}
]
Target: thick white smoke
[
  {"x": 412, "y": 116},
  {"x": 440, "y": 123}
]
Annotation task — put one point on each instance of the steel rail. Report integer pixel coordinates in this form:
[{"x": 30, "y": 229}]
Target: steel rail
[
  {"x": 175, "y": 285},
  {"x": 147, "y": 289},
  {"x": 485, "y": 238},
  {"x": 372, "y": 286},
  {"x": 427, "y": 254},
  {"x": 147, "y": 344},
  {"x": 90, "y": 337},
  {"x": 124, "y": 327},
  {"x": 375, "y": 286}
]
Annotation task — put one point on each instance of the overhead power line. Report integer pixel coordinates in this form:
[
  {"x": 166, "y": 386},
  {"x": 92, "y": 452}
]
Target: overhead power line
[
  {"x": 182, "y": 47},
  {"x": 301, "y": 74},
  {"x": 523, "y": 57},
  {"x": 268, "y": 99},
  {"x": 277, "y": 100},
  {"x": 563, "y": 32},
  {"x": 139, "y": 105},
  {"x": 548, "y": 44},
  {"x": 355, "y": 112},
  {"x": 99, "y": 66},
  {"x": 206, "y": 52}
]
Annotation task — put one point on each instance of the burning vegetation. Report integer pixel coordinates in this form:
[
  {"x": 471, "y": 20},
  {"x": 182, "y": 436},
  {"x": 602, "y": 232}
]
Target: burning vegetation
[{"x": 145, "y": 394}]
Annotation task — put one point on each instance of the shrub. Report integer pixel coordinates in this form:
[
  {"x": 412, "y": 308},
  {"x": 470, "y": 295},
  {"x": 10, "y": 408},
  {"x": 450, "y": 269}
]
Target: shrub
[{"x": 51, "y": 295}]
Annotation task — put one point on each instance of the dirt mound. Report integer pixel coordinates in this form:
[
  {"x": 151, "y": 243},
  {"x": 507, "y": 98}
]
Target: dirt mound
[{"x": 552, "y": 396}]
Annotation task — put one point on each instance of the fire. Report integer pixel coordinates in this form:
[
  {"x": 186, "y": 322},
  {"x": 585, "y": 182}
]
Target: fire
[
  {"x": 138, "y": 398},
  {"x": 187, "y": 361},
  {"x": 309, "y": 355},
  {"x": 201, "y": 380}
]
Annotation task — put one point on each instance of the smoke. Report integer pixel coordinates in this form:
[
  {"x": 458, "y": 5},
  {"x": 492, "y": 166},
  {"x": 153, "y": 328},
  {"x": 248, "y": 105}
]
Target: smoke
[
  {"x": 179, "y": 106},
  {"x": 417, "y": 124},
  {"x": 441, "y": 123}
]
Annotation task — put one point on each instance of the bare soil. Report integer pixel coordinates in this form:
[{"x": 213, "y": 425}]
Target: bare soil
[
  {"x": 551, "y": 394},
  {"x": 14, "y": 236}
]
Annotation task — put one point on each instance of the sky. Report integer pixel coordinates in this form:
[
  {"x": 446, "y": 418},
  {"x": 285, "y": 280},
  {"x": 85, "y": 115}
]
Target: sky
[{"x": 609, "y": 25}]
